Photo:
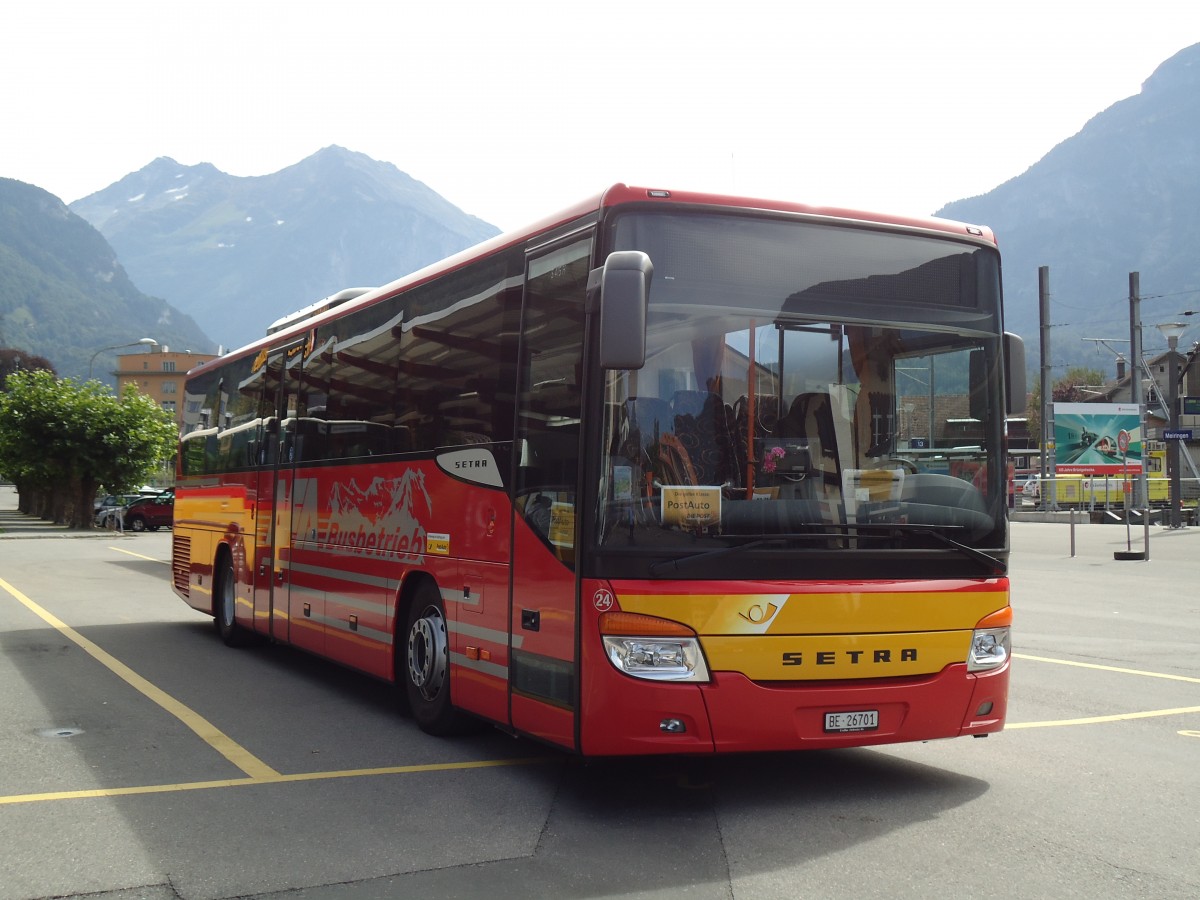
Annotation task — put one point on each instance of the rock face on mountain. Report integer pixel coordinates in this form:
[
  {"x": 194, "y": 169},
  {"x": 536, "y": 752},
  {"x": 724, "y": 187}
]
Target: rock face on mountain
[
  {"x": 1121, "y": 196},
  {"x": 237, "y": 253},
  {"x": 64, "y": 296}
]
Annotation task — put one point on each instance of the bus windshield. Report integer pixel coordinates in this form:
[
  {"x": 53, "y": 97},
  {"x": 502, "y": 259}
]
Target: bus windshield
[{"x": 807, "y": 386}]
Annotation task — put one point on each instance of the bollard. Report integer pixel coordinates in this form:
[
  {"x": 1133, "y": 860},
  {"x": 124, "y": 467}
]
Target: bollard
[
  {"x": 1130, "y": 553},
  {"x": 1072, "y": 532}
]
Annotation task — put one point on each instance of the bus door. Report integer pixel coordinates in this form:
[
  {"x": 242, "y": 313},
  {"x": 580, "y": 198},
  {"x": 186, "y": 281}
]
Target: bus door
[
  {"x": 544, "y": 667},
  {"x": 273, "y": 508}
]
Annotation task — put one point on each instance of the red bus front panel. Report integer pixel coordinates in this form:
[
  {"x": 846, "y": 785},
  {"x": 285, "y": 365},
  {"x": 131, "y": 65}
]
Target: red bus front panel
[{"x": 787, "y": 659}]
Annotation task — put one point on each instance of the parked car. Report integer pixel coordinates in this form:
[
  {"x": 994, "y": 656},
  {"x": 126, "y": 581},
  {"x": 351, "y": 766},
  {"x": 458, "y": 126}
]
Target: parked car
[
  {"x": 151, "y": 513},
  {"x": 107, "y": 501},
  {"x": 1032, "y": 487},
  {"x": 109, "y": 507}
]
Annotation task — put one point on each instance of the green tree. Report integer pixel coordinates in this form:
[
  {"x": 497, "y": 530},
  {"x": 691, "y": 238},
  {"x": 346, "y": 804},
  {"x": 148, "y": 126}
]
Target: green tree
[
  {"x": 1070, "y": 388},
  {"x": 61, "y": 439}
]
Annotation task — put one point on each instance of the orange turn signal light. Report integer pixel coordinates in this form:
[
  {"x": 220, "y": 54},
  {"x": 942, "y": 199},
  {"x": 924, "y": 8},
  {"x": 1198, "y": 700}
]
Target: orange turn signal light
[
  {"x": 1001, "y": 618},
  {"x": 642, "y": 626}
]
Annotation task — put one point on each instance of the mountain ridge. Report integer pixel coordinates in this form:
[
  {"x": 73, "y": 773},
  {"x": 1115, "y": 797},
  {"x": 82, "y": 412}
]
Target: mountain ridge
[
  {"x": 63, "y": 293},
  {"x": 1122, "y": 195},
  {"x": 241, "y": 251}
]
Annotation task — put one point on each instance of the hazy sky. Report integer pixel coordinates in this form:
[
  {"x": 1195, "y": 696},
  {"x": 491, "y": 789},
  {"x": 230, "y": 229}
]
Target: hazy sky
[{"x": 512, "y": 110}]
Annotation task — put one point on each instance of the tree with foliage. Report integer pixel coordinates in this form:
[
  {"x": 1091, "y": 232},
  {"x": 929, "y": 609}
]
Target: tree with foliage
[
  {"x": 1068, "y": 389},
  {"x": 13, "y": 360},
  {"x": 60, "y": 440}
]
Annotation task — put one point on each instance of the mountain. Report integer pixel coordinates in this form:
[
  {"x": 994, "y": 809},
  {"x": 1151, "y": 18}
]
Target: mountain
[
  {"x": 63, "y": 295},
  {"x": 1121, "y": 196},
  {"x": 239, "y": 252}
]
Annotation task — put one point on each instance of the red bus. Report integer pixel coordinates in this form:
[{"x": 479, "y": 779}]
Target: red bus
[{"x": 664, "y": 473}]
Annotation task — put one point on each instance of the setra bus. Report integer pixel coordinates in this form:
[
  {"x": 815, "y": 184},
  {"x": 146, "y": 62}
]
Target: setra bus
[{"x": 660, "y": 474}]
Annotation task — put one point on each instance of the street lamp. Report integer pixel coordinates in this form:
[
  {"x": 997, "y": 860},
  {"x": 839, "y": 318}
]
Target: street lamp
[
  {"x": 1172, "y": 331},
  {"x": 149, "y": 342}
]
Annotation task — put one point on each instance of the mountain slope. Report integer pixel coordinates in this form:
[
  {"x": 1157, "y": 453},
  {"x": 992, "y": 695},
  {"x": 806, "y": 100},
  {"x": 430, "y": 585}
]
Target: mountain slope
[
  {"x": 1121, "y": 196},
  {"x": 237, "y": 253},
  {"x": 63, "y": 295}
]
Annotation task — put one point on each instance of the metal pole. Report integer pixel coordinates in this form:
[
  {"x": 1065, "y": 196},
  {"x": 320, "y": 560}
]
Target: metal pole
[
  {"x": 92, "y": 362},
  {"x": 1173, "y": 444},
  {"x": 1048, "y": 447},
  {"x": 1140, "y": 489}
]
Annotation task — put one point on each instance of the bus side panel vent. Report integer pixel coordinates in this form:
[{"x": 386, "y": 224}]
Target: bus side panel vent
[{"x": 181, "y": 563}]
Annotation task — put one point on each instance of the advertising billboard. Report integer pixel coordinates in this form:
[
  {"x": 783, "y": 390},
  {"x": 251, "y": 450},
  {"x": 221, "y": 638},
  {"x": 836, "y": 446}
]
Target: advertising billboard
[{"x": 1088, "y": 438}]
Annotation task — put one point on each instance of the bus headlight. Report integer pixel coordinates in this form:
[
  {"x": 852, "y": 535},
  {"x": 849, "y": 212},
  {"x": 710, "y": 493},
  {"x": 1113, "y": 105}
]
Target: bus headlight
[
  {"x": 657, "y": 659},
  {"x": 990, "y": 649},
  {"x": 991, "y": 642},
  {"x": 652, "y": 648}
]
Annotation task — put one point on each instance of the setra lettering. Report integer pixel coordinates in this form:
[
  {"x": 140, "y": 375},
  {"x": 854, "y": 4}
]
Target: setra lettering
[{"x": 881, "y": 657}]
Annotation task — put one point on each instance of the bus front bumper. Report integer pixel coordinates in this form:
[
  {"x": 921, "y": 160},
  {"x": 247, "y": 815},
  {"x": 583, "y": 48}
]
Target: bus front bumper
[{"x": 732, "y": 714}]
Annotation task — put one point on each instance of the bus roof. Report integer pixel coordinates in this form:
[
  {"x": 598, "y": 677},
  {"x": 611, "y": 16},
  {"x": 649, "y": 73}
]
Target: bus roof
[{"x": 298, "y": 322}]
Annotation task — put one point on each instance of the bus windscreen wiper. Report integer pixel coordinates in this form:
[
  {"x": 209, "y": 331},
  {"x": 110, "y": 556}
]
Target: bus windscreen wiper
[
  {"x": 937, "y": 532},
  {"x": 756, "y": 541},
  {"x": 994, "y": 565}
]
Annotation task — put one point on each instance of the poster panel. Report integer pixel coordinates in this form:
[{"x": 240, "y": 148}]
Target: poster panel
[{"x": 1086, "y": 437}]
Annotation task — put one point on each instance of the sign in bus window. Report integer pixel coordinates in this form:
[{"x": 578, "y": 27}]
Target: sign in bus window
[{"x": 685, "y": 506}]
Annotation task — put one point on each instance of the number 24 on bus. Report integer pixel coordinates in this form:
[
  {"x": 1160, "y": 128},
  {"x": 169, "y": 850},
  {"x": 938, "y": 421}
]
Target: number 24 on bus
[{"x": 666, "y": 473}]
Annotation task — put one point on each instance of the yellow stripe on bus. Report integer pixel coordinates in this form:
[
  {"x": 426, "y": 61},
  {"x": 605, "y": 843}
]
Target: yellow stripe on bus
[
  {"x": 832, "y": 612},
  {"x": 819, "y": 657}
]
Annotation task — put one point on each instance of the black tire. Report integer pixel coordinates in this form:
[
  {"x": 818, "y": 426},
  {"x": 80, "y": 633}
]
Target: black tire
[
  {"x": 225, "y": 604},
  {"x": 426, "y": 666},
  {"x": 136, "y": 523}
]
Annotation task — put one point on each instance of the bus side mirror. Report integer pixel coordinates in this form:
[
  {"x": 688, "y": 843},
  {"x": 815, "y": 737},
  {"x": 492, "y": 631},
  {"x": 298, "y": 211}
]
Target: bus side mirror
[
  {"x": 624, "y": 289},
  {"x": 1014, "y": 373}
]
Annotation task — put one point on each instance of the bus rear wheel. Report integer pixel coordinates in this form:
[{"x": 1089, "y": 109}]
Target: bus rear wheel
[{"x": 426, "y": 669}]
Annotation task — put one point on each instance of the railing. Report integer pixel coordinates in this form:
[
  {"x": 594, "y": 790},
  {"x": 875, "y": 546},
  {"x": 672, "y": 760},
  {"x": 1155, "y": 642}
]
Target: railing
[{"x": 1100, "y": 493}]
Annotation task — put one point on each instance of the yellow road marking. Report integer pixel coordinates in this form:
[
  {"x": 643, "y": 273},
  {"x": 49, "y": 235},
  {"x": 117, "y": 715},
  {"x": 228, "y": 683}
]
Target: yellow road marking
[
  {"x": 1081, "y": 665},
  {"x": 209, "y": 733},
  {"x": 1094, "y": 720},
  {"x": 165, "y": 562},
  {"x": 275, "y": 778},
  {"x": 1120, "y": 717}
]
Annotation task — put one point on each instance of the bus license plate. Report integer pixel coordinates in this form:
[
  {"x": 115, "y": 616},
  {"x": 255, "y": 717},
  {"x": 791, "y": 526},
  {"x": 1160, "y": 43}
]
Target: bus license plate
[{"x": 862, "y": 720}]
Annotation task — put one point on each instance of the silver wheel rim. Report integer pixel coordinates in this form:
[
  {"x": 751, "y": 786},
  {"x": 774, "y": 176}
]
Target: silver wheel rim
[
  {"x": 427, "y": 653},
  {"x": 227, "y": 604}
]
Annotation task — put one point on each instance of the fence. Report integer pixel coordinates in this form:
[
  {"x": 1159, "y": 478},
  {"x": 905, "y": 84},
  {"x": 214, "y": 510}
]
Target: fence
[{"x": 1085, "y": 492}]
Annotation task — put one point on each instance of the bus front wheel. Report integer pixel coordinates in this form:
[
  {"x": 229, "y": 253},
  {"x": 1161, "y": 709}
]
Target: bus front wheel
[
  {"x": 225, "y": 604},
  {"x": 427, "y": 664}
]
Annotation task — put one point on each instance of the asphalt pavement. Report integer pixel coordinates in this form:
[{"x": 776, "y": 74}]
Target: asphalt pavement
[{"x": 148, "y": 760}]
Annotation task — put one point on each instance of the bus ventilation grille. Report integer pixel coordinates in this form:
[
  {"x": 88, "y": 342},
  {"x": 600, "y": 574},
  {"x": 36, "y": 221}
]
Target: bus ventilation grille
[{"x": 181, "y": 557}]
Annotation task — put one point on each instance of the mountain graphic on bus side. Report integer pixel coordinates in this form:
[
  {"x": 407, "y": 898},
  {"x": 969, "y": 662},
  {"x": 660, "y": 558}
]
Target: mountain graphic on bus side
[{"x": 384, "y": 517}]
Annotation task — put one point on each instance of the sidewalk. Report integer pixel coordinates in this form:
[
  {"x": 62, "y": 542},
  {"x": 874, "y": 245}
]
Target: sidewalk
[{"x": 15, "y": 524}]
